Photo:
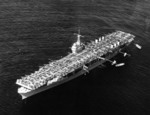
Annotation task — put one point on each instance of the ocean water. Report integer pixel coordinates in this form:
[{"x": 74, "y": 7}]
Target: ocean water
[{"x": 34, "y": 32}]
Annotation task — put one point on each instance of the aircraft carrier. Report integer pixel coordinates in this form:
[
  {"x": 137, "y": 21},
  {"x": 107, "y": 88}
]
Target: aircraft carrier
[{"x": 82, "y": 59}]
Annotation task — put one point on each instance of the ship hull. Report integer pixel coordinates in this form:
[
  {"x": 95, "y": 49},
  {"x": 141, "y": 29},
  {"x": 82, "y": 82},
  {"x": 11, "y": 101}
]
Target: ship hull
[{"x": 73, "y": 76}]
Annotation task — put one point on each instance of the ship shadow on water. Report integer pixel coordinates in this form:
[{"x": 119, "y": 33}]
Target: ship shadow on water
[{"x": 92, "y": 93}]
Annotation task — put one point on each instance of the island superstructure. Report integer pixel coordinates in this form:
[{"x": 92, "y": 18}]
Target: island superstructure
[{"x": 84, "y": 57}]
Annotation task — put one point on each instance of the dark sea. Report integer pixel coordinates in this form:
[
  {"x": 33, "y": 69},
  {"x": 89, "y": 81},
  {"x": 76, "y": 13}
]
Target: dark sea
[{"x": 34, "y": 32}]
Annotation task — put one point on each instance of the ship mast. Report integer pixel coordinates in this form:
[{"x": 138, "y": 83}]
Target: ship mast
[
  {"x": 77, "y": 46},
  {"x": 78, "y": 37}
]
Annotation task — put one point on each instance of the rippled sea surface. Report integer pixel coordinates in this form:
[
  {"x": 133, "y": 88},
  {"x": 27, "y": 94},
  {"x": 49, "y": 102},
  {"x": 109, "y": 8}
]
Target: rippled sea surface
[{"x": 33, "y": 32}]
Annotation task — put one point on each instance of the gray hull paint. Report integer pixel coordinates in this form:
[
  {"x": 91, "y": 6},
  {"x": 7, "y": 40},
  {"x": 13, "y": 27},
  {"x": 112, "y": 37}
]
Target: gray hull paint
[{"x": 90, "y": 67}]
